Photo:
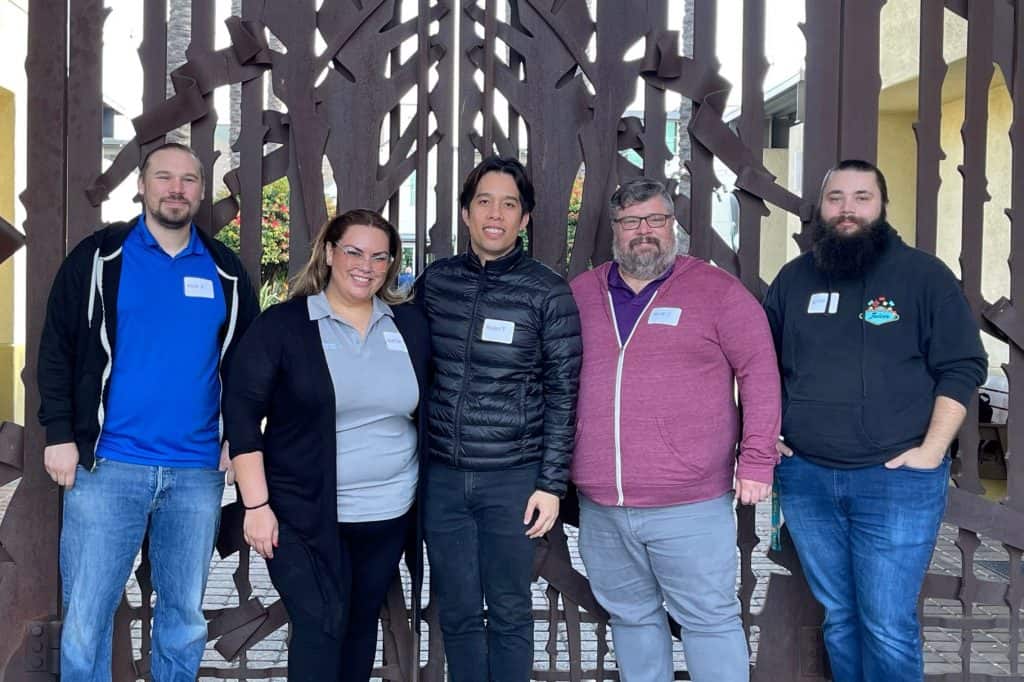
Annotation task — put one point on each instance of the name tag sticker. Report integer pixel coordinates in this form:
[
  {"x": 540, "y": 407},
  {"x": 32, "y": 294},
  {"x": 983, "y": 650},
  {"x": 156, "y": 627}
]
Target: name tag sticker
[
  {"x": 395, "y": 341},
  {"x": 498, "y": 331},
  {"x": 833, "y": 302},
  {"x": 819, "y": 303},
  {"x": 666, "y": 316},
  {"x": 198, "y": 287},
  {"x": 330, "y": 346}
]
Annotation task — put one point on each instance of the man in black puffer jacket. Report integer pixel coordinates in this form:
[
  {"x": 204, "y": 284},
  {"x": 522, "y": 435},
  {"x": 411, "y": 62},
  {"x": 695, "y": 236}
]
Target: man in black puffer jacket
[{"x": 506, "y": 345}]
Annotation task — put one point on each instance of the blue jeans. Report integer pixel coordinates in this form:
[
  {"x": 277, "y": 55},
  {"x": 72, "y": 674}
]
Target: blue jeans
[
  {"x": 865, "y": 539},
  {"x": 478, "y": 550},
  {"x": 683, "y": 556},
  {"x": 106, "y": 514}
]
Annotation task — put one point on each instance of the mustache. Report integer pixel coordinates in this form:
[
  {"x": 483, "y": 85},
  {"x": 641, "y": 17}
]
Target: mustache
[{"x": 644, "y": 239}]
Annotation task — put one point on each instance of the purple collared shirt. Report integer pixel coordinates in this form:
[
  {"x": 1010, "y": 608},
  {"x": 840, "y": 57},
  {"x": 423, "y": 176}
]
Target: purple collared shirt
[{"x": 627, "y": 304}]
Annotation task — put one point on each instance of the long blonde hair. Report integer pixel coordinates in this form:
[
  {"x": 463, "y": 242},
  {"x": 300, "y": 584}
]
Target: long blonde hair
[{"x": 315, "y": 275}]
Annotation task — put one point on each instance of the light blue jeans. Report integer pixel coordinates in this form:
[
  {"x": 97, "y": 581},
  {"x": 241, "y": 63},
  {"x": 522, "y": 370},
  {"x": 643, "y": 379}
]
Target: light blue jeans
[
  {"x": 106, "y": 514},
  {"x": 865, "y": 538},
  {"x": 682, "y": 556}
]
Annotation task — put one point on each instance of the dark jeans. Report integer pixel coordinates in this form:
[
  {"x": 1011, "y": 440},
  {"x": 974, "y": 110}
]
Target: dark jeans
[
  {"x": 865, "y": 537},
  {"x": 370, "y": 555},
  {"x": 478, "y": 551}
]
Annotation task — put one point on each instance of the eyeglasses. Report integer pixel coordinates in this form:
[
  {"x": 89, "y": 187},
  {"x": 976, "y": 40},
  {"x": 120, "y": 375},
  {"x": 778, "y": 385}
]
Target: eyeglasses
[
  {"x": 377, "y": 261},
  {"x": 632, "y": 222}
]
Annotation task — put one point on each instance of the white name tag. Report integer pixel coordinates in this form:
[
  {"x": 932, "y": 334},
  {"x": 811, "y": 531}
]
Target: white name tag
[
  {"x": 818, "y": 303},
  {"x": 498, "y": 331},
  {"x": 395, "y": 341},
  {"x": 833, "y": 302},
  {"x": 330, "y": 346},
  {"x": 198, "y": 287},
  {"x": 668, "y": 316}
]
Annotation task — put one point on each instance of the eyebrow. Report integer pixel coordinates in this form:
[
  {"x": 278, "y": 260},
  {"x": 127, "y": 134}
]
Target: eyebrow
[
  {"x": 491, "y": 196},
  {"x": 356, "y": 248}
]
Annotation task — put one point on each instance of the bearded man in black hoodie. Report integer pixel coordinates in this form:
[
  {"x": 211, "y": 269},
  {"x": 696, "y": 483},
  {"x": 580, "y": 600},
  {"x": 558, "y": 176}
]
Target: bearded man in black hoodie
[{"x": 879, "y": 355}]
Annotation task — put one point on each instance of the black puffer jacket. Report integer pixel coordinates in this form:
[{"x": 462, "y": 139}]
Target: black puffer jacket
[{"x": 496, "y": 404}]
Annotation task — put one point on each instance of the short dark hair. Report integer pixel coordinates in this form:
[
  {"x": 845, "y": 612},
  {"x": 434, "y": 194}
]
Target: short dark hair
[
  {"x": 862, "y": 166},
  {"x": 499, "y": 164},
  {"x": 637, "y": 191},
  {"x": 173, "y": 145}
]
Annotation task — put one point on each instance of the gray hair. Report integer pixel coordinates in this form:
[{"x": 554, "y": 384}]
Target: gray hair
[{"x": 637, "y": 191}]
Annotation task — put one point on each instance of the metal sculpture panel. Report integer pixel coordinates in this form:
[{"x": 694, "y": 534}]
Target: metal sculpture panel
[{"x": 368, "y": 104}]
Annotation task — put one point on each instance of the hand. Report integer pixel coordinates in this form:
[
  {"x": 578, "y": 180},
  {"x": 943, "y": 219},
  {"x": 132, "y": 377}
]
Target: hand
[
  {"x": 226, "y": 466},
  {"x": 783, "y": 449},
  {"x": 752, "y": 492},
  {"x": 61, "y": 462},
  {"x": 546, "y": 506},
  {"x": 916, "y": 458},
  {"x": 260, "y": 530}
]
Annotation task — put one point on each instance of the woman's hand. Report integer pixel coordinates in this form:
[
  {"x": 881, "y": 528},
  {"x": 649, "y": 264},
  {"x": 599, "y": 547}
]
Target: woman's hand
[{"x": 260, "y": 530}]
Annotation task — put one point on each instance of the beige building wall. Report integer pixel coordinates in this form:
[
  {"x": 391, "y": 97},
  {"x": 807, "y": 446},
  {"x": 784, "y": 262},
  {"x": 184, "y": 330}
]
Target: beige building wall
[{"x": 13, "y": 36}]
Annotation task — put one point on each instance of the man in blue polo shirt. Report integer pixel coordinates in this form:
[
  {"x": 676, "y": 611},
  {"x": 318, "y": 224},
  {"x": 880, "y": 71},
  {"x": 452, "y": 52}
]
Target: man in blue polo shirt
[{"x": 140, "y": 321}]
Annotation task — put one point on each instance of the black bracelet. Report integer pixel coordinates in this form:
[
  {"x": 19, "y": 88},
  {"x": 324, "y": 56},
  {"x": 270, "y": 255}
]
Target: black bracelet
[{"x": 257, "y": 506}]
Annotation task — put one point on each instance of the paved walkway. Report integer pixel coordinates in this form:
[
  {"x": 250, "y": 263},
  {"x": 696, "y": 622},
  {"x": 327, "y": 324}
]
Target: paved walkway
[{"x": 988, "y": 651}]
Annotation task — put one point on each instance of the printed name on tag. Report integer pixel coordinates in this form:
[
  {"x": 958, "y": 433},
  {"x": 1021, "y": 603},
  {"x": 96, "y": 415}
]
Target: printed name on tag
[
  {"x": 330, "y": 346},
  {"x": 198, "y": 287},
  {"x": 395, "y": 341},
  {"x": 498, "y": 331},
  {"x": 818, "y": 303},
  {"x": 668, "y": 316}
]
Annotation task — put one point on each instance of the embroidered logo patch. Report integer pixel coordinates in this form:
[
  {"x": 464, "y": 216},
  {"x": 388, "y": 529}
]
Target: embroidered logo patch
[{"x": 879, "y": 311}]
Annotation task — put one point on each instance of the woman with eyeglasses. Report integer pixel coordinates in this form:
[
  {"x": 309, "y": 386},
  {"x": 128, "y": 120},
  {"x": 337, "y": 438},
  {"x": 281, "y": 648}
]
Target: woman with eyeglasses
[{"x": 338, "y": 372}]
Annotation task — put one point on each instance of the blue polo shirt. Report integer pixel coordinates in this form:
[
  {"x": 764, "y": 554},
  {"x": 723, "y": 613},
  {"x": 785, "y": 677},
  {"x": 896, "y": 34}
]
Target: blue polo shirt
[{"x": 164, "y": 402}]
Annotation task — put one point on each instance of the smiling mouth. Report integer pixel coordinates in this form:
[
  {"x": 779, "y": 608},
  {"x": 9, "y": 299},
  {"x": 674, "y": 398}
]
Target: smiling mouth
[{"x": 491, "y": 231}]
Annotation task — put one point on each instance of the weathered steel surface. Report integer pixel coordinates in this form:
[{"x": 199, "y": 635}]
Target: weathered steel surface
[
  {"x": 545, "y": 80},
  {"x": 29, "y": 590}
]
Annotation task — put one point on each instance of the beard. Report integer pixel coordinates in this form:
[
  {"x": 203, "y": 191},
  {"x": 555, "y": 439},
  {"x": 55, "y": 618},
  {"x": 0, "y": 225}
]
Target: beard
[
  {"x": 846, "y": 256},
  {"x": 174, "y": 219},
  {"x": 645, "y": 264}
]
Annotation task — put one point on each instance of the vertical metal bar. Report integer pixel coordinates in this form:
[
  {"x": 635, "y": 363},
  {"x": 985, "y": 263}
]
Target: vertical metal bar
[
  {"x": 490, "y": 35},
  {"x": 29, "y": 529},
  {"x": 85, "y": 113},
  {"x": 927, "y": 128},
  {"x": 250, "y": 170},
  {"x": 974, "y": 133},
  {"x": 153, "y": 54},
  {"x": 751, "y": 132},
  {"x": 395, "y": 117},
  {"x": 442, "y": 106},
  {"x": 470, "y": 104},
  {"x": 860, "y": 80},
  {"x": 202, "y": 130},
  {"x": 423, "y": 128},
  {"x": 656, "y": 153},
  {"x": 702, "y": 174},
  {"x": 821, "y": 130}
]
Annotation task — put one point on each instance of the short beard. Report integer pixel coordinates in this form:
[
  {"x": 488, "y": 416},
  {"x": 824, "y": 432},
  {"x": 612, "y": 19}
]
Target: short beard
[
  {"x": 646, "y": 265},
  {"x": 847, "y": 256}
]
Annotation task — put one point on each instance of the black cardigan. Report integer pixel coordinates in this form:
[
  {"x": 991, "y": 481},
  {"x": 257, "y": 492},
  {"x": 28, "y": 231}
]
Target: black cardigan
[{"x": 280, "y": 373}]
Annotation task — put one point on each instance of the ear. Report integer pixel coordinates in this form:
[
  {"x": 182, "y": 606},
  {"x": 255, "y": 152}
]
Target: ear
[
  {"x": 524, "y": 221},
  {"x": 465, "y": 216}
]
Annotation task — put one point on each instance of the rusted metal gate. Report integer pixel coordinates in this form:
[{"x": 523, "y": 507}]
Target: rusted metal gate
[{"x": 546, "y": 80}]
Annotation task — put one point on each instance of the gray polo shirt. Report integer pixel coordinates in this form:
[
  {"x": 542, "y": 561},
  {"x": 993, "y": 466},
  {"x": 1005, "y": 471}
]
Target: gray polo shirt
[{"x": 375, "y": 395}]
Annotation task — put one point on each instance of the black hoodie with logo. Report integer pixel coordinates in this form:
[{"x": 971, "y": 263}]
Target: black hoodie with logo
[{"x": 863, "y": 359}]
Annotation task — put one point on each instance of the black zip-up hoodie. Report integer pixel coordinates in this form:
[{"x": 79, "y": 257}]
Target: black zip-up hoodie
[
  {"x": 859, "y": 383},
  {"x": 80, "y": 332}
]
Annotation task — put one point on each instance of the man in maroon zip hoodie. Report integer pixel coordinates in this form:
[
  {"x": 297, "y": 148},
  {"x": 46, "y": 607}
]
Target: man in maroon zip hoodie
[{"x": 665, "y": 340}]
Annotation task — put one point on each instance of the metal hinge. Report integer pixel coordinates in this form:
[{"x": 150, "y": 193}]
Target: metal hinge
[{"x": 42, "y": 646}]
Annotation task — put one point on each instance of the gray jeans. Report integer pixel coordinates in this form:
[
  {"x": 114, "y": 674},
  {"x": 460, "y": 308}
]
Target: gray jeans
[{"x": 683, "y": 557}]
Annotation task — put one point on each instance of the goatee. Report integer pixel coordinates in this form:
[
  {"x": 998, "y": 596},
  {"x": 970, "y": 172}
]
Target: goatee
[
  {"x": 846, "y": 256},
  {"x": 647, "y": 264}
]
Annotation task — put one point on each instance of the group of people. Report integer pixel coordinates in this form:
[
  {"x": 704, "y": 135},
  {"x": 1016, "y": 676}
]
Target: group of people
[{"x": 359, "y": 418}]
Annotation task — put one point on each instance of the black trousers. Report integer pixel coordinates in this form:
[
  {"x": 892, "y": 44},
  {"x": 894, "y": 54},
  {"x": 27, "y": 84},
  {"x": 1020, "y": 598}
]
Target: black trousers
[{"x": 370, "y": 555}]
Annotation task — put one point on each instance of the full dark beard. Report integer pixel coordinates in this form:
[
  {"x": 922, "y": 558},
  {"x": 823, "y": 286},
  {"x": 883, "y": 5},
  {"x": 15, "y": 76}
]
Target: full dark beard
[{"x": 846, "y": 256}]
